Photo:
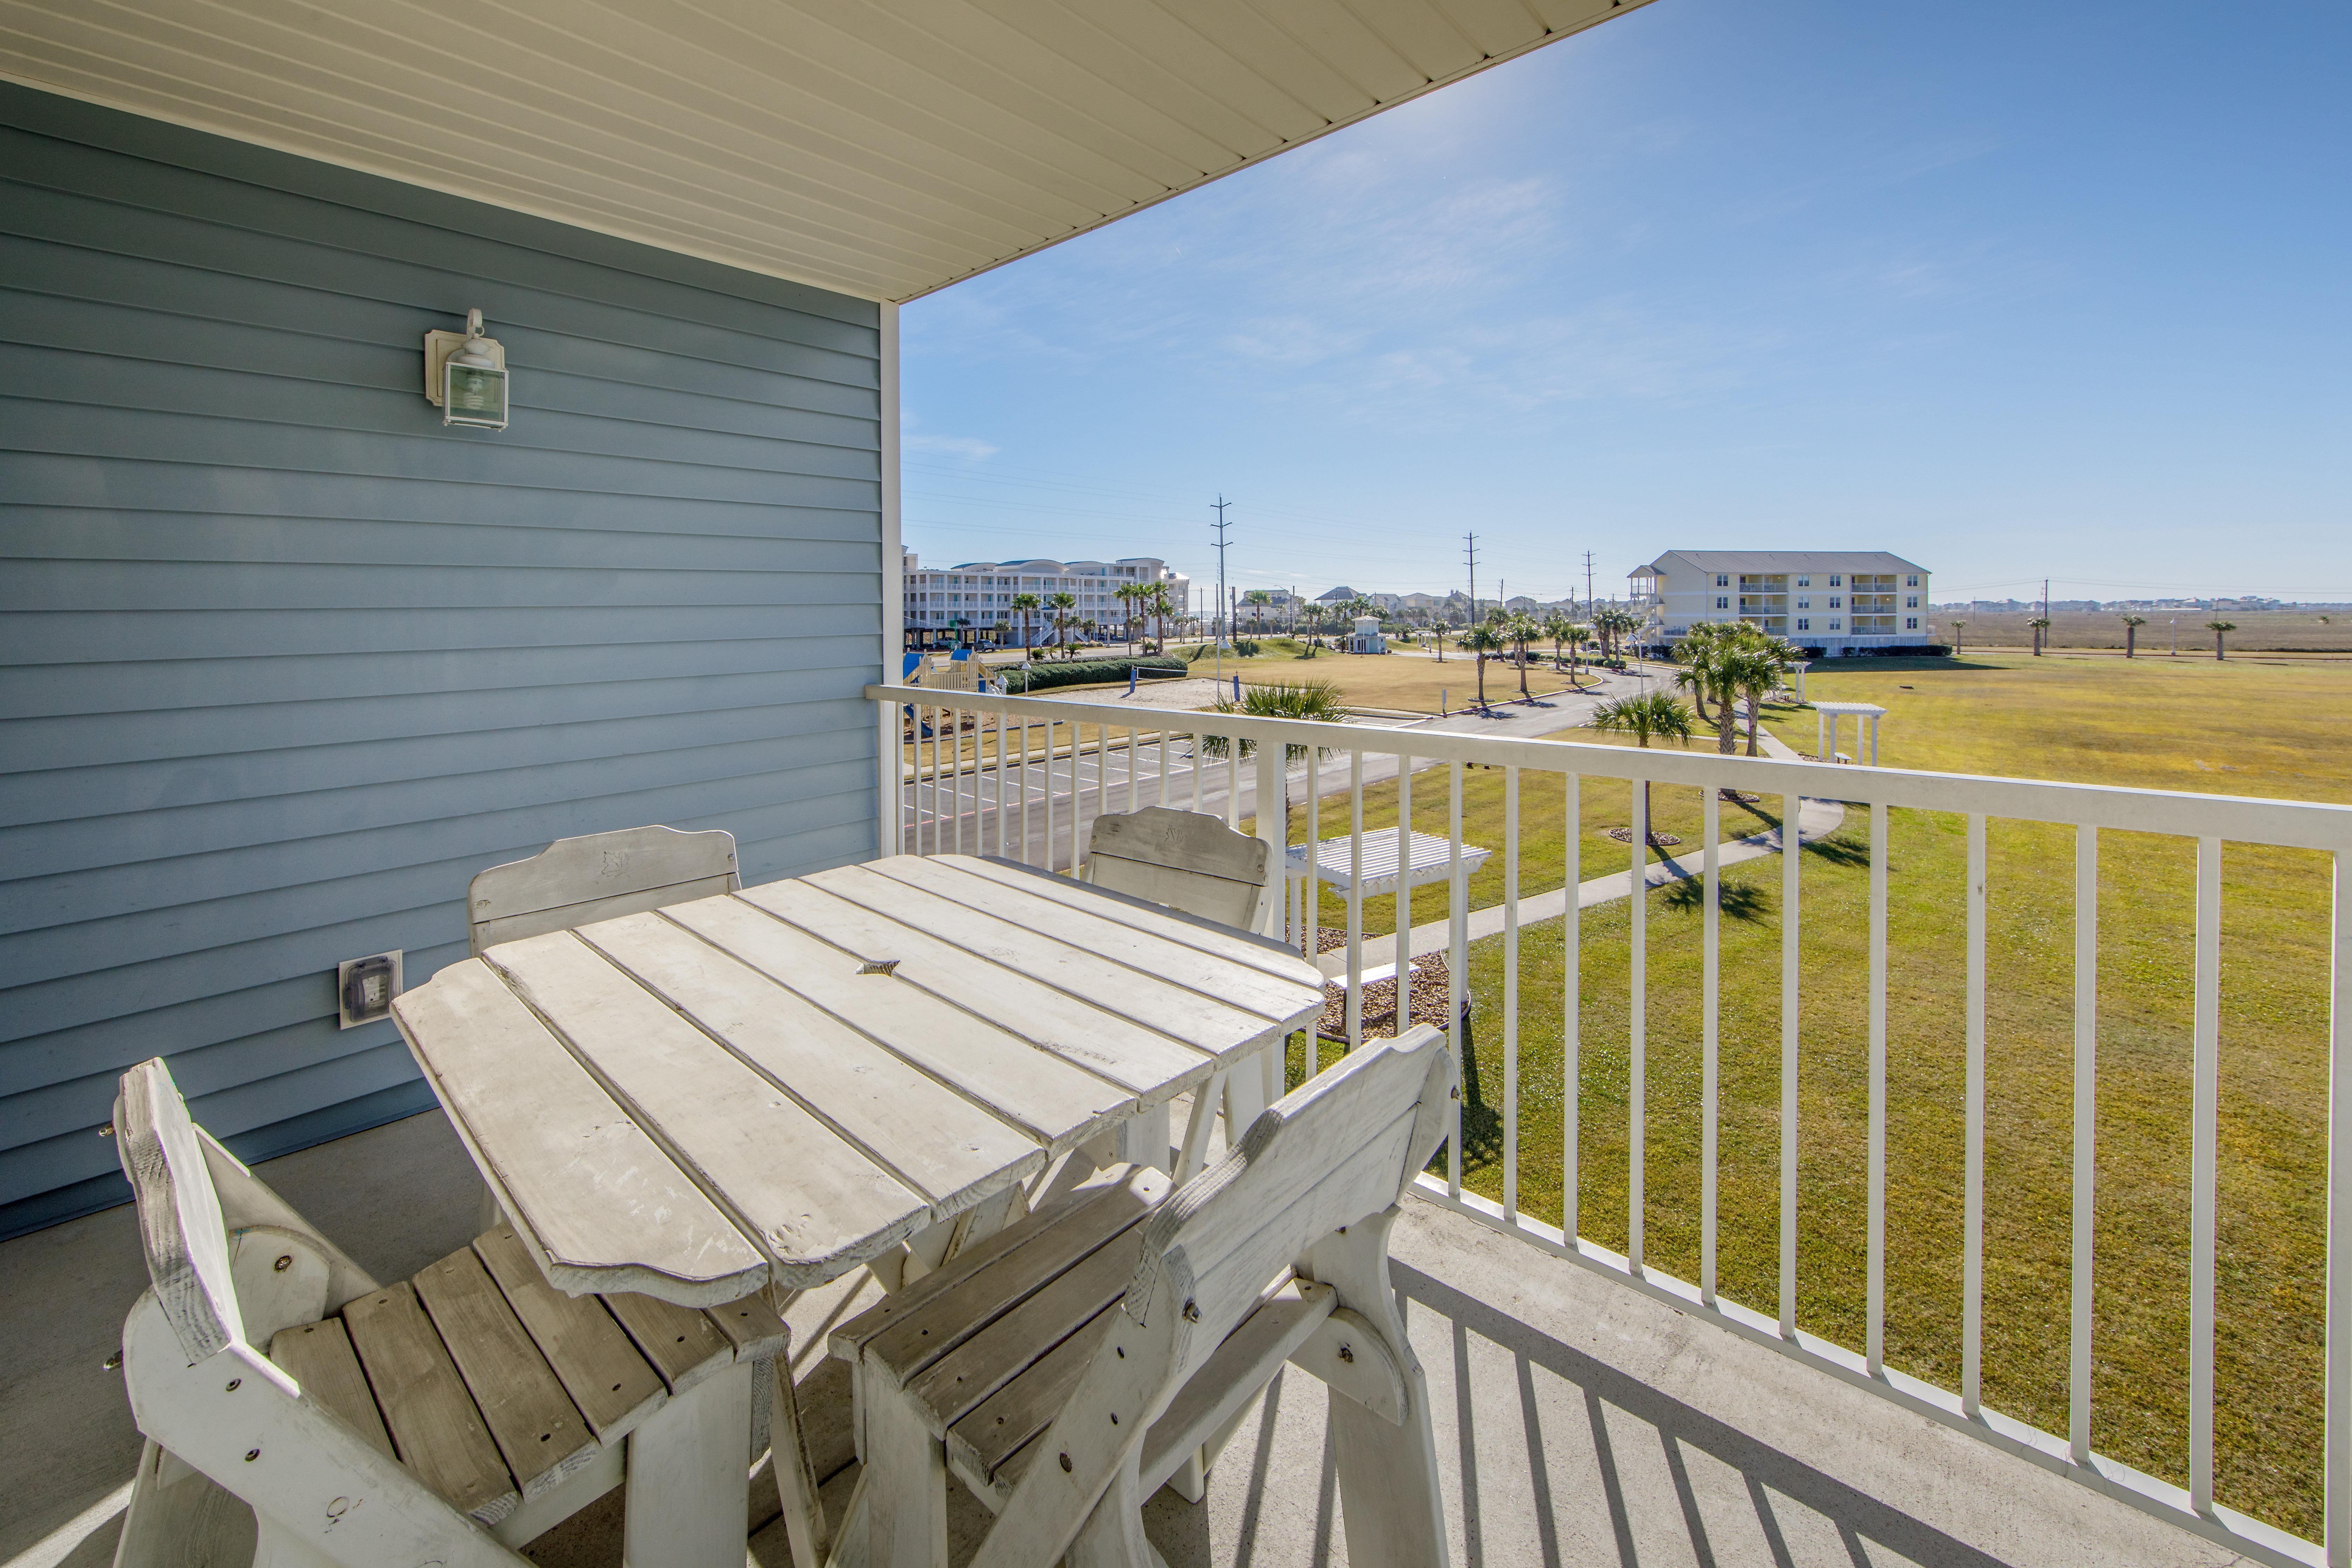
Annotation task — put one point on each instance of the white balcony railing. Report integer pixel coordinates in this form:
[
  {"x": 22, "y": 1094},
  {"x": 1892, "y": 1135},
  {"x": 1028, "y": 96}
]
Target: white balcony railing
[{"x": 1029, "y": 773}]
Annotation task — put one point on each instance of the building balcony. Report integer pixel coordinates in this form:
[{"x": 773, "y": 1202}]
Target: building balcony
[{"x": 1642, "y": 1344}]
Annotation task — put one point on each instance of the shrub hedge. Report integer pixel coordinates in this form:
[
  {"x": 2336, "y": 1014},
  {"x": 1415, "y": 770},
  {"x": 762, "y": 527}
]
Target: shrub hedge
[{"x": 1084, "y": 672}]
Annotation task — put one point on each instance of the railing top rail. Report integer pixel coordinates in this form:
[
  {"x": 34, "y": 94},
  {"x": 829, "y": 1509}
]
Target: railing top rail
[{"x": 2304, "y": 825}]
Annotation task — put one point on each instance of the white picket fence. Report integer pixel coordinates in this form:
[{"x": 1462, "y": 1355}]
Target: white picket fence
[{"x": 1022, "y": 785}]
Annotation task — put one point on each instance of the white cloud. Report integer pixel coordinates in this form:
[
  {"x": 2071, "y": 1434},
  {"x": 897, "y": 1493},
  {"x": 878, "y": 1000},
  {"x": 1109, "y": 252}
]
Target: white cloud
[{"x": 969, "y": 447}]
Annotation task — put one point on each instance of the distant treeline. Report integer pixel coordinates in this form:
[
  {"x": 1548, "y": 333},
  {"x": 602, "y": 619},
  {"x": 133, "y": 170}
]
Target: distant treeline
[{"x": 2274, "y": 631}]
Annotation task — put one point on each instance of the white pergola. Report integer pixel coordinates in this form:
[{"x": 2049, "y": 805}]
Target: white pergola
[{"x": 1829, "y": 714}]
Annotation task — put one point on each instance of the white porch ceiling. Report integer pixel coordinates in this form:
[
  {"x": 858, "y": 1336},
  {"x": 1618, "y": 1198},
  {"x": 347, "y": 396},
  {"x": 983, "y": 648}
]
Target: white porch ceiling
[{"x": 881, "y": 148}]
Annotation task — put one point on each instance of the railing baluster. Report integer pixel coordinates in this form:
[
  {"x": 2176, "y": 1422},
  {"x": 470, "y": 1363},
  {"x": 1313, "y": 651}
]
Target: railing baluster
[
  {"x": 1458, "y": 968},
  {"x": 2337, "y": 1508},
  {"x": 931, "y": 797},
  {"x": 1132, "y": 804},
  {"x": 1234, "y": 783},
  {"x": 1511, "y": 995},
  {"x": 955, "y": 773},
  {"x": 1972, "y": 1265},
  {"x": 1711, "y": 1022},
  {"x": 1162, "y": 747},
  {"x": 1194, "y": 745},
  {"x": 1572, "y": 1004},
  {"x": 1637, "y": 893},
  {"x": 1875, "y": 1352},
  {"x": 2086, "y": 1130},
  {"x": 1025, "y": 791},
  {"x": 1355, "y": 897},
  {"x": 1102, "y": 780},
  {"x": 1313, "y": 895},
  {"x": 1004, "y": 806},
  {"x": 2204, "y": 1118},
  {"x": 1403, "y": 943},
  {"x": 1792, "y": 840},
  {"x": 1049, "y": 794}
]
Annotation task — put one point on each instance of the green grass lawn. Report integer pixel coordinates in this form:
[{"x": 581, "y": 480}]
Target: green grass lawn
[{"x": 2184, "y": 724}]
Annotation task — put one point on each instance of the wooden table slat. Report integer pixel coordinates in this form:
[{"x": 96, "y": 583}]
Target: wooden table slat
[
  {"x": 1065, "y": 1001},
  {"x": 1271, "y": 997},
  {"x": 807, "y": 1194},
  {"x": 935, "y": 1139},
  {"x": 594, "y": 1195},
  {"x": 1218, "y": 941},
  {"x": 1057, "y": 1103}
]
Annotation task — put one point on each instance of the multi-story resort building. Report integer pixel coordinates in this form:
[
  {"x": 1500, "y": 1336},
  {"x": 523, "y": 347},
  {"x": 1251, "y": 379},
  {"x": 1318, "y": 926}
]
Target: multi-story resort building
[
  {"x": 1832, "y": 602},
  {"x": 967, "y": 603}
]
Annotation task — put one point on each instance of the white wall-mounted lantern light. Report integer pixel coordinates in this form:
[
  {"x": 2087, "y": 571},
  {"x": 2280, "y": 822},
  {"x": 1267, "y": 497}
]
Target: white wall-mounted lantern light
[{"x": 465, "y": 376}]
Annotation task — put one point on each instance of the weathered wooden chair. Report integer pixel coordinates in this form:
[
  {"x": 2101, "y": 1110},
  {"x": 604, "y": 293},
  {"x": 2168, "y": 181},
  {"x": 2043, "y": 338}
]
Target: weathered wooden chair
[
  {"x": 450, "y": 1418},
  {"x": 1195, "y": 865},
  {"x": 1073, "y": 1363},
  {"x": 596, "y": 876},
  {"x": 1186, "y": 859}
]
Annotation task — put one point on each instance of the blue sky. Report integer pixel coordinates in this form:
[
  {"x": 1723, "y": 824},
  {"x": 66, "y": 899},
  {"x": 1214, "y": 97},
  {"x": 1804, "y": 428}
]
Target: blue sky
[{"x": 2057, "y": 291}]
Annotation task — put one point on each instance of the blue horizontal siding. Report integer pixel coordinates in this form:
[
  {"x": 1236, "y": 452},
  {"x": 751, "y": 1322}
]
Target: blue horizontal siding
[{"x": 284, "y": 661}]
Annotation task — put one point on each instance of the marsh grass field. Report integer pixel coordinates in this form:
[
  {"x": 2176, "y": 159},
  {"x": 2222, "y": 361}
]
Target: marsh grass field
[{"x": 2237, "y": 728}]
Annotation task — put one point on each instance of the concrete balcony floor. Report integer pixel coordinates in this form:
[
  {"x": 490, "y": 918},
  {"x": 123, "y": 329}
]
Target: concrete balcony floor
[{"x": 1577, "y": 1423}]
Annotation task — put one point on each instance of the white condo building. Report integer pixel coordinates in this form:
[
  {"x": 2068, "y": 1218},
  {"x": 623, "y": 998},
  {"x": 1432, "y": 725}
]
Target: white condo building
[
  {"x": 1838, "y": 601},
  {"x": 979, "y": 593}
]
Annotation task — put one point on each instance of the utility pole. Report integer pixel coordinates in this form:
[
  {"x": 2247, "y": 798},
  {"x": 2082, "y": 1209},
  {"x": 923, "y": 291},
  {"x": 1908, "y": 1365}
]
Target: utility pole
[
  {"x": 1588, "y": 583},
  {"x": 1470, "y": 542},
  {"x": 1220, "y": 526}
]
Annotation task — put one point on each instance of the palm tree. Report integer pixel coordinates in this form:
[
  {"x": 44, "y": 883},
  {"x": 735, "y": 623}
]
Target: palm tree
[
  {"x": 1562, "y": 629},
  {"x": 1130, "y": 595},
  {"x": 1161, "y": 606},
  {"x": 1755, "y": 672},
  {"x": 1257, "y": 599},
  {"x": 1481, "y": 640},
  {"x": 2132, "y": 625},
  {"x": 2040, "y": 623},
  {"x": 2220, "y": 630},
  {"x": 1656, "y": 715},
  {"x": 1522, "y": 629},
  {"x": 1697, "y": 655},
  {"x": 1027, "y": 604},
  {"x": 1955, "y": 637},
  {"x": 1062, "y": 620}
]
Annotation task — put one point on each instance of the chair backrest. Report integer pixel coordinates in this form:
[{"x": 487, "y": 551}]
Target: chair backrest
[
  {"x": 597, "y": 877},
  {"x": 1186, "y": 859},
  {"x": 179, "y": 1222},
  {"x": 1340, "y": 1147}
]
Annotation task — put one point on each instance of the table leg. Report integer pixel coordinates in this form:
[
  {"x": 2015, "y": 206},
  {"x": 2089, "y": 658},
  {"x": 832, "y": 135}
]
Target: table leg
[
  {"x": 804, "y": 1525},
  {"x": 1143, "y": 1139},
  {"x": 689, "y": 1489}
]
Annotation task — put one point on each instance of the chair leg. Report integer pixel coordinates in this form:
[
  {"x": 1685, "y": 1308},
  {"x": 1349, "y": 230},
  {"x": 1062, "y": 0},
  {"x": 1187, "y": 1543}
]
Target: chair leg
[
  {"x": 689, "y": 1489},
  {"x": 276, "y": 1547},
  {"x": 1112, "y": 1536},
  {"x": 177, "y": 1516},
  {"x": 1388, "y": 1473},
  {"x": 904, "y": 1483}
]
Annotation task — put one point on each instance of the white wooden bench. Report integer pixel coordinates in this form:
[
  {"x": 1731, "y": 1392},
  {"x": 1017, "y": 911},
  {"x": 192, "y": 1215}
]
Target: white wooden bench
[
  {"x": 448, "y": 1418},
  {"x": 1073, "y": 1363},
  {"x": 597, "y": 877}
]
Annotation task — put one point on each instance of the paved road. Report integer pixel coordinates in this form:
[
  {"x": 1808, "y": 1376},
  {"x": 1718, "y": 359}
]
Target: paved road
[{"x": 980, "y": 811}]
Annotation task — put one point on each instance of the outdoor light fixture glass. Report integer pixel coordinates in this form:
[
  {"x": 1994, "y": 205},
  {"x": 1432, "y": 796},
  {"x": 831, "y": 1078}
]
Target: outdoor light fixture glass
[{"x": 467, "y": 376}]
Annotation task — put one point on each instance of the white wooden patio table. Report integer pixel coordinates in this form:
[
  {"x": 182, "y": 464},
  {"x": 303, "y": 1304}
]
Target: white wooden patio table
[{"x": 782, "y": 1084}]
